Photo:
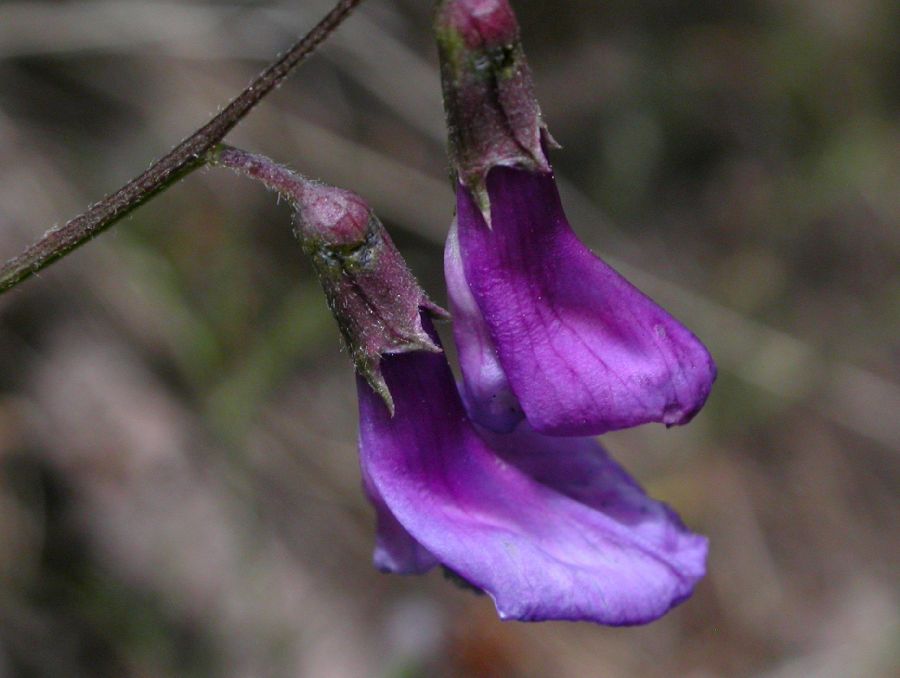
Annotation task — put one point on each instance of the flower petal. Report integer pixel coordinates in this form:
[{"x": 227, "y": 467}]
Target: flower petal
[
  {"x": 541, "y": 551},
  {"x": 396, "y": 551},
  {"x": 582, "y": 470},
  {"x": 487, "y": 391},
  {"x": 584, "y": 351}
]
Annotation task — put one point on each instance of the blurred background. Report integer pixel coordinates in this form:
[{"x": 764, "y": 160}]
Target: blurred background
[{"x": 179, "y": 490}]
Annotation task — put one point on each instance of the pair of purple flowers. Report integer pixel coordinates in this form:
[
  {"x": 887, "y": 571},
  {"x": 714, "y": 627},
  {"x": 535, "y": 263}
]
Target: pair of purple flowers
[{"x": 495, "y": 480}]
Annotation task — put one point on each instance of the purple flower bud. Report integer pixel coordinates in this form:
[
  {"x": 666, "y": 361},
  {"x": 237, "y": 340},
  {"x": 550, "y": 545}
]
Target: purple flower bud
[
  {"x": 545, "y": 329},
  {"x": 549, "y": 528},
  {"x": 373, "y": 295}
]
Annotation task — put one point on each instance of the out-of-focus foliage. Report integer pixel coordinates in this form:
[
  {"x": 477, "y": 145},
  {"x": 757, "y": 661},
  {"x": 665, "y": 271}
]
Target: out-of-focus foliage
[{"x": 178, "y": 481}]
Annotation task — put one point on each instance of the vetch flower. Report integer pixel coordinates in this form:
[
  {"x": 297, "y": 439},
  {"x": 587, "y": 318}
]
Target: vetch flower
[
  {"x": 550, "y": 528},
  {"x": 545, "y": 329}
]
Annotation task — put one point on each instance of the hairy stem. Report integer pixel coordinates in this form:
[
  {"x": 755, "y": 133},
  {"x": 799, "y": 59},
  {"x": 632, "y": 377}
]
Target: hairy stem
[
  {"x": 287, "y": 183},
  {"x": 184, "y": 158}
]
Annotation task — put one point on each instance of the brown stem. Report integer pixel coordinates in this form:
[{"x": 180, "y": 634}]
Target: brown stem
[{"x": 184, "y": 158}]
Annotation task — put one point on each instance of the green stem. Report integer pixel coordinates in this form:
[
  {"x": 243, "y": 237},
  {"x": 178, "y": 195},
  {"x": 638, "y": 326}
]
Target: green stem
[{"x": 180, "y": 161}]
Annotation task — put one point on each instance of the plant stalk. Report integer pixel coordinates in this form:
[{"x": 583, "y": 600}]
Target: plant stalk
[{"x": 180, "y": 161}]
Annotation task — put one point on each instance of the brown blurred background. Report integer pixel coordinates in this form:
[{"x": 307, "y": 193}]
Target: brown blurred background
[{"x": 179, "y": 492}]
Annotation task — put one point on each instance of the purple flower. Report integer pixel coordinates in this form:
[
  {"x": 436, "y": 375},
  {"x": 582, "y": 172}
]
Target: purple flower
[
  {"x": 549, "y": 528},
  {"x": 546, "y": 328}
]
